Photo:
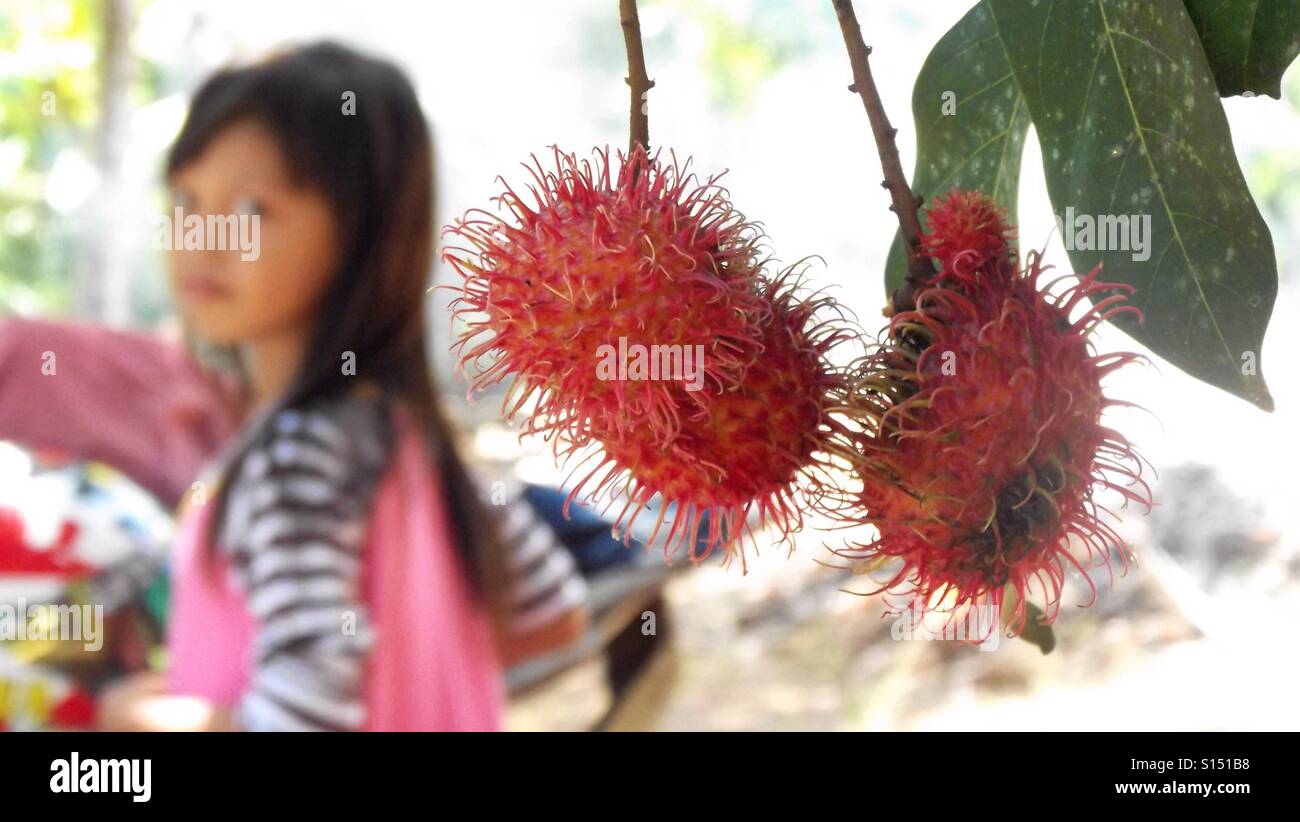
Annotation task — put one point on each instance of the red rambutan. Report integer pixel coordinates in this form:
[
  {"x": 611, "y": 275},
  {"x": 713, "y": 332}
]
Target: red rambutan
[
  {"x": 966, "y": 234},
  {"x": 746, "y": 448},
  {"x": 981, "y": 444},
  {"x": 601, "y": 259}
]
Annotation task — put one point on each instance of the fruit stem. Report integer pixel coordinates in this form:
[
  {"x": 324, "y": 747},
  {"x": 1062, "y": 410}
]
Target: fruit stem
[
  {"x": 905, "y": 203},
  {"x": 638, "y": 81}
]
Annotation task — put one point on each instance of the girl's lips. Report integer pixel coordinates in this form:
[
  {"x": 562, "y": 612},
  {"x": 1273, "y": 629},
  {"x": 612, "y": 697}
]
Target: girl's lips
[{"x": 204, "y": 288}]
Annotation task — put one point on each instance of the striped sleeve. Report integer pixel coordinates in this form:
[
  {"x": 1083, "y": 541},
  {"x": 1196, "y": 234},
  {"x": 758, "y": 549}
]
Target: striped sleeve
[
  {"x": 546, "y": 581},
  {"x": 295, "y": 527}
]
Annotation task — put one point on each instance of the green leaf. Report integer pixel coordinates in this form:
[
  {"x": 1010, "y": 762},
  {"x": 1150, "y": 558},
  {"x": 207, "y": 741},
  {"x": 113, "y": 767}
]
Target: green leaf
[
  {"x": 1249, "y": 43},
  {"x": 1035, "y": 632},
  {"x": 971, "y": 122},
  {"x": 1130, "y": 123}
]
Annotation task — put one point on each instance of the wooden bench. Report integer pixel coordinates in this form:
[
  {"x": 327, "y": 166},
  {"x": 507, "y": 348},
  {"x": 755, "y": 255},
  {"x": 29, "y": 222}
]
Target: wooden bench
[{"x": 617, "y": 601}]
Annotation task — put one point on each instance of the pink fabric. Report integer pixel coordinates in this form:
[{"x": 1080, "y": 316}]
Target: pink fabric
[
  {"x": 209, "y": 631},
  {"x": 124, "y": 398},
  {"x": 432, "y": 666}
]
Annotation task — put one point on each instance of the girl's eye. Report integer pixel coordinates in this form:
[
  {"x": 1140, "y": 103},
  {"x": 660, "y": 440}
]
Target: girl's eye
[
  {"x": 182, "y": 200},
  {"x": 248, "y": 205}
]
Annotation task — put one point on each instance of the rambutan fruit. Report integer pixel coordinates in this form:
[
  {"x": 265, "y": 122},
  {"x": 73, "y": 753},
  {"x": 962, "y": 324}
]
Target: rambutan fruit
[
  {"x": 747, "y": 448},
  {"x": 642, "y": 253},
  {"x": 980, "y": 446},
  {"x": 966, "y": 234}
]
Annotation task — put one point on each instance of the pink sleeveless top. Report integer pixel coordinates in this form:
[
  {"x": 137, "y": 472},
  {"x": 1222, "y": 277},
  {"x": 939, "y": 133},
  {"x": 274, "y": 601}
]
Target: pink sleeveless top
[{"x": 432, "y": 665}]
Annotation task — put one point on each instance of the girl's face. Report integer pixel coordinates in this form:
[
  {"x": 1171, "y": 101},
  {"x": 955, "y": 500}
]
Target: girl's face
[{"x": 263, "y": 273}]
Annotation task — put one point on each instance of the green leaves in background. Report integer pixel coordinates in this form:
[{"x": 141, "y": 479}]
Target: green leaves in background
[
  {"x": 1128, "y": 116},
  {"x": 971, "y": 123},
  {"x": 1249, "y": 43}
]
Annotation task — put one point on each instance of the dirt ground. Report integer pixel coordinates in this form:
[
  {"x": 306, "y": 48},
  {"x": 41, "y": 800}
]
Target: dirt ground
[{"x": 784, "y": 648}]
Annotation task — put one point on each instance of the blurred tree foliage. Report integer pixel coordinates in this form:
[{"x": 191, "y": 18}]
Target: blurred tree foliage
[
  {"x": 749, "y": 42},
  {"x": 741, "y": 43},
  {"x": 1273, "y": 176},
  {"x": 49, "y": 109}
]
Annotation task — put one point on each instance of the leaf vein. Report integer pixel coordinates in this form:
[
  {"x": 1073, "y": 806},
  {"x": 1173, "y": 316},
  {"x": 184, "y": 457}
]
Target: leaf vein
[{"x": 1155, "y": 175}]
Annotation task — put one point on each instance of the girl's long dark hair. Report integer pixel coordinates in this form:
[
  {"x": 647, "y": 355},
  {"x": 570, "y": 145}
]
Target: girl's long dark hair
[{"x": 351, "y": 126}]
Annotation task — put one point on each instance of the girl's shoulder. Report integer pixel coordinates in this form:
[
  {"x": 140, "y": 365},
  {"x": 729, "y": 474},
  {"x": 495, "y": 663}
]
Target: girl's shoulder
[
  {"x": 358, "y": 424},
  {"x": 325, "y": 455},
  {"x": 354, "y": 432}
]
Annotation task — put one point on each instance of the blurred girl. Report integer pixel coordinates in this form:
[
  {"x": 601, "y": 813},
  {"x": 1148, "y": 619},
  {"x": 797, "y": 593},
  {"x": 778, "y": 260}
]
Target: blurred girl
[{"x": 336, "y": 569}]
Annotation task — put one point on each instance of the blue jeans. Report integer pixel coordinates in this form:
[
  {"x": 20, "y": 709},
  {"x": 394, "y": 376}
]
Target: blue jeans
[{"x": 586, "y": 535}]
